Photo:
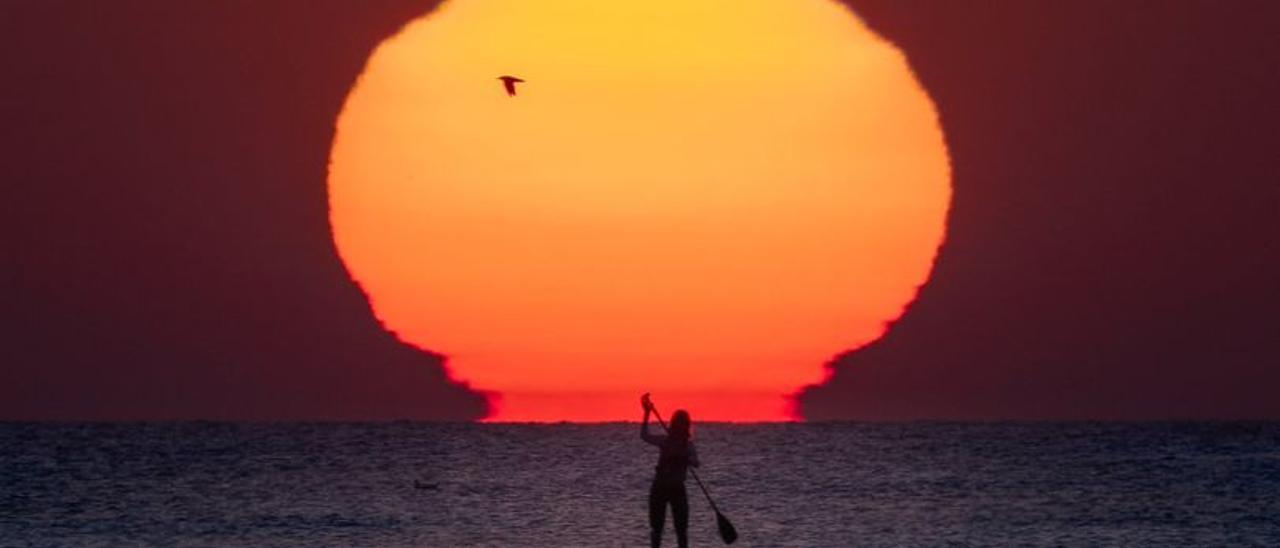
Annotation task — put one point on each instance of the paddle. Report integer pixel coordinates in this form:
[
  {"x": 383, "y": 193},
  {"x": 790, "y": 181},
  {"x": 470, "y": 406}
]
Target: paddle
[{"x": 727, "y": 532}]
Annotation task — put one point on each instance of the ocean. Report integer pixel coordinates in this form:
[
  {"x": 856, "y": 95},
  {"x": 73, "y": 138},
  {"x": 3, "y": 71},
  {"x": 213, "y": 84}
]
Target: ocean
[{"x": 807, "y": 484}]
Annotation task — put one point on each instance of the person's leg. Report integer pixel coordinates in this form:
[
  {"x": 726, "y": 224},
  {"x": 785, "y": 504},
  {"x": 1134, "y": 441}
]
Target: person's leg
[
  {"x": 657, "y": 515},
  {"x": 680, "y": 515}
]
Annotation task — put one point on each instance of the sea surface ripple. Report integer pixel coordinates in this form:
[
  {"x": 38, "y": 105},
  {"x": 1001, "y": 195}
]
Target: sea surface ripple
[{"x": 815, "y": 484}]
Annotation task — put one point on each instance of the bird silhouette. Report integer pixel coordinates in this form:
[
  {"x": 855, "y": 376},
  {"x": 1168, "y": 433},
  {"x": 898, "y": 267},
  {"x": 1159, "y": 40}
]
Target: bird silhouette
[{"x": 509, "y": 83}]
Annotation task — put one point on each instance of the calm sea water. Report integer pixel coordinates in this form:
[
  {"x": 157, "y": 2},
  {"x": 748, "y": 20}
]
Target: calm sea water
[{"x": 838, "y": 484}]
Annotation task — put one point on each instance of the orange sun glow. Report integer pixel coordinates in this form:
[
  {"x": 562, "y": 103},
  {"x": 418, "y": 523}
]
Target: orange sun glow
[{"x": 706, "y": 199}]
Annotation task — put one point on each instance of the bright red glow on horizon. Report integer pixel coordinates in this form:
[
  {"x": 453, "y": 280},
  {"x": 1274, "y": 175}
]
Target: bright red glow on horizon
[{"x": 703, "y": 199}]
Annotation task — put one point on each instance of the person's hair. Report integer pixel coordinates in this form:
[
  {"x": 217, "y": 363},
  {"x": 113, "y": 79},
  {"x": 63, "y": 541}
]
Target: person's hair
[{"x": 681, "y": 426}]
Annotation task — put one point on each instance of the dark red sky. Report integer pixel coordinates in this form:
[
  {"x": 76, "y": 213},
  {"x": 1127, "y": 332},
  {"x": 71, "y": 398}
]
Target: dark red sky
[
  {"x": 1113, "y": 248},
  {"x": 1114, "y": 244},
  {"x": 165, "y": 216}
]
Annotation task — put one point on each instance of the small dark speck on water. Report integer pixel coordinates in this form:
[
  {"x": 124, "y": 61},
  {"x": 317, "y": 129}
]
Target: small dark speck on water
[{"x": 818, "y": 484}]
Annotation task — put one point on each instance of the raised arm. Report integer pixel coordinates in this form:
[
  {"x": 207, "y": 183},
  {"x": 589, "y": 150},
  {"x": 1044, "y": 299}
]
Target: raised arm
[{"x": 644, "y": 424}]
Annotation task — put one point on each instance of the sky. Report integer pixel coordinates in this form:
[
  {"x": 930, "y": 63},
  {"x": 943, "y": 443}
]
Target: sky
[{"x": 1111, "y": 247}]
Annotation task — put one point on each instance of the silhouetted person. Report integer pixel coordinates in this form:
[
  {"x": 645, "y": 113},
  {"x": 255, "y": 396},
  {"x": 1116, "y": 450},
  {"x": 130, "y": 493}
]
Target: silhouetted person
[
  {"x": 509, "y": 83},
  {"x": 675, "y": 456}
]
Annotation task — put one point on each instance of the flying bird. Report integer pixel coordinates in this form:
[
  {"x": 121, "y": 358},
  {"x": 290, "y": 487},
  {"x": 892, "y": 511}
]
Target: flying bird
[{"x": 509, "y": 83}]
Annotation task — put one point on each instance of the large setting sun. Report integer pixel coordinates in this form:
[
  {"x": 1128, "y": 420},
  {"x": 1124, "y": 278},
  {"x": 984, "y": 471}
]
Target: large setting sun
[{"x": 703, "y": 199}]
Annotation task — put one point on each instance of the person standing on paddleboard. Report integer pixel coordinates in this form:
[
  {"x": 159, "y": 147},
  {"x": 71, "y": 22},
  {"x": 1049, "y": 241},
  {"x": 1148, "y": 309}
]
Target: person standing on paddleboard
[{"x": 675, "y": 455}]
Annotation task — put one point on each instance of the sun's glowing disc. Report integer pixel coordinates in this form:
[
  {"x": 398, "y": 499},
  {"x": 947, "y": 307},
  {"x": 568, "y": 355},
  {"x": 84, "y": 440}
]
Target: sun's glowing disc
[{"x": 706, "y": 199}]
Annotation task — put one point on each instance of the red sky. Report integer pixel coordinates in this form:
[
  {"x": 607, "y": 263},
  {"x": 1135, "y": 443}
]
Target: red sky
[{"x": 1111, "y": 251}]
